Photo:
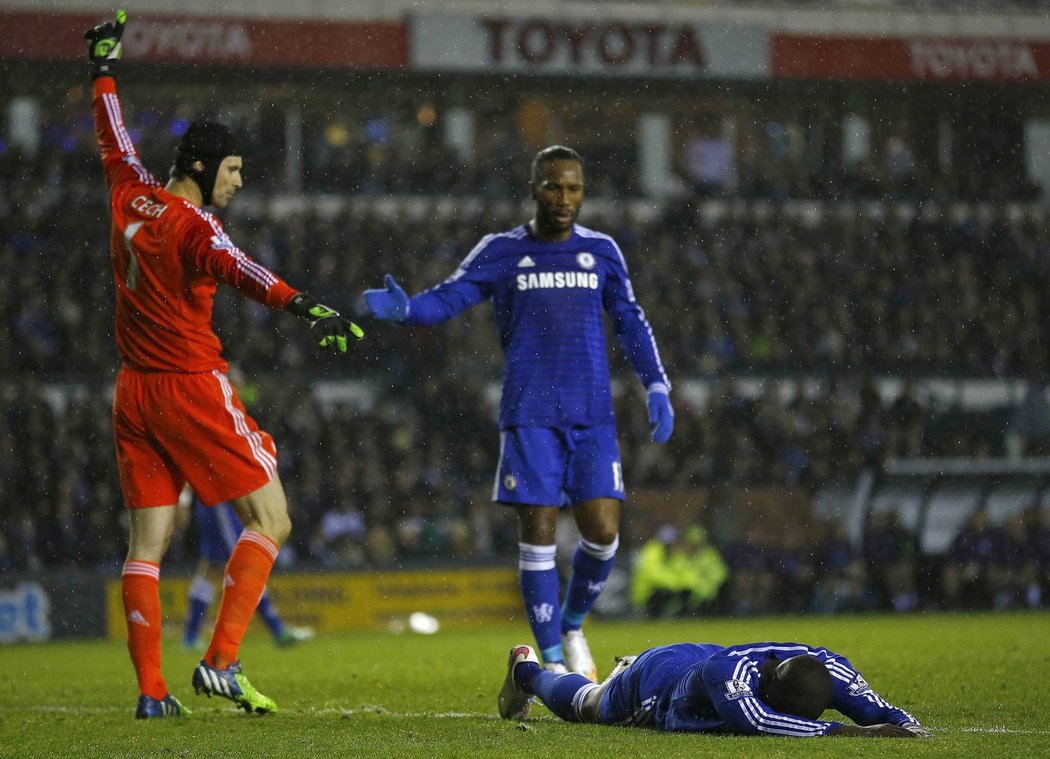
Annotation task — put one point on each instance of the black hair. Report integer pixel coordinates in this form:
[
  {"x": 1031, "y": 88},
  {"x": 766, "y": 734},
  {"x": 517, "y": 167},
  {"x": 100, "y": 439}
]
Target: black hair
[
  {"x": 553, "y": 153},
  {"x": 803, "y": 687},
  {"x": 209, "y": 143}
]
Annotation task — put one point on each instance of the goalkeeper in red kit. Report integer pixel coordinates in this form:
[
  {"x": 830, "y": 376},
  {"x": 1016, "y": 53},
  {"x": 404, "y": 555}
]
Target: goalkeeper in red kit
[{"x": 176, "y": 417}]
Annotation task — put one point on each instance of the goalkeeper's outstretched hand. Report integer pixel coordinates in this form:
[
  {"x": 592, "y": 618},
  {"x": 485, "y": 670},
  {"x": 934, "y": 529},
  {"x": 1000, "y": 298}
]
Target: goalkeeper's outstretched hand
[
  {"x": 331, "y": 330},
  {"x": 661, "y": 415},
  {"x": 104, "y": 46},
  {"x": 389, "y": 303}
]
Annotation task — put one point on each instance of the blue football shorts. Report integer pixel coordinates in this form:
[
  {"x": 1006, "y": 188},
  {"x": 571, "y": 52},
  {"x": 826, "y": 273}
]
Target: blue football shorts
[
  {"x": 218, "y": 529},
  {"x": 633, "y": 697},
  {"x": 541, "y": 466}
]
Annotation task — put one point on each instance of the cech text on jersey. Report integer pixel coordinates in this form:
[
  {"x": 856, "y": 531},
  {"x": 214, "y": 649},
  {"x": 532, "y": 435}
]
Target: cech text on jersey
[{"x": 147, "y": 207}]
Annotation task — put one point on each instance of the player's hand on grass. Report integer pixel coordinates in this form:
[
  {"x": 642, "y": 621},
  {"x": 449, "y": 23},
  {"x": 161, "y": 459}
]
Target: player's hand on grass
[
  {"x": 331, "y": 329},
  {"x": 873, "y": 731},
  {"x": 104, "y": 46},
  {"x": 391, "y": 302},
  {"x": 661, "y": 415}
]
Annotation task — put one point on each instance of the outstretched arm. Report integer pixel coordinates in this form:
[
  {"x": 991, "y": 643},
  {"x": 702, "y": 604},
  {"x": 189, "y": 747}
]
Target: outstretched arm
[
  {"x": 856, "y": 699},
  {"x": 120, "y": 161},
  {"x": 884, "y": 730},
  {"x": 213, "y": 253},
  {"x": 432, "y": 306}
]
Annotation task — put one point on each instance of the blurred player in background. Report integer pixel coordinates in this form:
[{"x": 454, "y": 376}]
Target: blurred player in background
[
  {"x": 550, "y": 281},
  {"x": 218, "y": 530},
  {"x": 748, "y": 689},
  {"x": 176, "y": 416}
]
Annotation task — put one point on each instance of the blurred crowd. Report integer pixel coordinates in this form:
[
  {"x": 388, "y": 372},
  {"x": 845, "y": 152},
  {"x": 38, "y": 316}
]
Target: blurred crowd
[
  {"x": 372, "y": 446},
  {"x": 989, "y": 565},
  {"x": 731, "y": 286}
]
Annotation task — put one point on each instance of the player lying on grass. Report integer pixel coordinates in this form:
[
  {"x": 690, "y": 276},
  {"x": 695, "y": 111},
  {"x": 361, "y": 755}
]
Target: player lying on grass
[{"x": 747, "y": 689}]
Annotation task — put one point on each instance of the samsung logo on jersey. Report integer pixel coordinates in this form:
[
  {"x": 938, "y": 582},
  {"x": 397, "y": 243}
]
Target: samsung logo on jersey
[{"x": 556, "y": 280}]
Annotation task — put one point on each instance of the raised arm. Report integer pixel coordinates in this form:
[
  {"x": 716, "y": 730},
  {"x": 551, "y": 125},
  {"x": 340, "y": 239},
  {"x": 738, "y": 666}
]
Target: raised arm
[{"x": 120, "y": 161}]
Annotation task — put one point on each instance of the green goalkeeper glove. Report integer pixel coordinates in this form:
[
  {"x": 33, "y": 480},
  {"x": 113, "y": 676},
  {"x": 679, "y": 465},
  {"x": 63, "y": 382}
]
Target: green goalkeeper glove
[
  {"x": 330, "y": 328},
  {"x": 104, "y": 46}
]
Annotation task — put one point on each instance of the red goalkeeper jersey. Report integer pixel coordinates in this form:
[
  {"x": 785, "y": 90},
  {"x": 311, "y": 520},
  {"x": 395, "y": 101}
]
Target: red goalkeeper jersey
[{"x": 168, "y": 257}]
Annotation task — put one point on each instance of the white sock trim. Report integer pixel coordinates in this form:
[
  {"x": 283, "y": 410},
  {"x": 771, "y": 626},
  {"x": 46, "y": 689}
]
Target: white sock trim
[
  {"x": 533, "y": 558},
  {"x": 581, "y": 694},
  {"x": 599, "y": 551}
]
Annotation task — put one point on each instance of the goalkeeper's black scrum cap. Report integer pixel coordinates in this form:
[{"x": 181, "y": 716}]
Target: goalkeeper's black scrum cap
[{"x": 209, "y": 143}]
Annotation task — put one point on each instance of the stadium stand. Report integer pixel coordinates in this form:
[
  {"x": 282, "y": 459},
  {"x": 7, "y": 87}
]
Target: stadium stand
[{"x": 821, "y": 321}]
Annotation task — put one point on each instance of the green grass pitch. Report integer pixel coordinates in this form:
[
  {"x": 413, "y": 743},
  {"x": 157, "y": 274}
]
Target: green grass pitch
[{"x": 978, "y": 681}]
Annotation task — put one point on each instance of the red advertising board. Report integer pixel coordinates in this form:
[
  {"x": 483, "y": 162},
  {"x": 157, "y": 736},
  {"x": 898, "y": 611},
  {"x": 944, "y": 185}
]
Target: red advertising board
[
  {"x": 207, "y": 39},
  {"x": 937, "y": 59}
]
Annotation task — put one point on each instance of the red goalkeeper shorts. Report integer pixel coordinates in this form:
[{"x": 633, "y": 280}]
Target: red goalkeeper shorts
[{"x": 175, "y": 428}]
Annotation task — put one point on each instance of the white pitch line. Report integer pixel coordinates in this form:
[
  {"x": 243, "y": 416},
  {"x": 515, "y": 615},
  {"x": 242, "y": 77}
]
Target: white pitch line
[
  {"x": 1001, "y": 730},
  {"x": 380, "y": 711},
  {"x": 331, "y": 711}
]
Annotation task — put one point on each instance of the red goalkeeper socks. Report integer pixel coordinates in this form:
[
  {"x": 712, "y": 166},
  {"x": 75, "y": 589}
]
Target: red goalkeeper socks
[
  {"x": 140, "y": 591},
  {"x": 246, "y": 575}
]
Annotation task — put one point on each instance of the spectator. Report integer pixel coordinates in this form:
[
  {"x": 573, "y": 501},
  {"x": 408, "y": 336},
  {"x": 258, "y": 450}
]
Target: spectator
[
  {"x": 839, "y": 569},
  {"x": 677, "y": 574},
  {"x": 966, "y": 580},
  {"x": 1013, "y": 569},
  {"x": 1037, "y": 535},
  {"x": 339, "y": 538},
  {"x": 890, "y": 551}
]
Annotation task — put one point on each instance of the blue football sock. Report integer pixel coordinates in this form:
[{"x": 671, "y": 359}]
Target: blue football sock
[
  {"x": 268, "y": 612},
  {"x": 559, "y": 693},
  {"x": 200, "y": 597},
  {"x": 539, "y": 590},
  {"x": 591, "y": 565}
]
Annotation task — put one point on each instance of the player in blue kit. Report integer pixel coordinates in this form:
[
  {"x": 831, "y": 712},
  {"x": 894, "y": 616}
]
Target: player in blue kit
[
  {"x": 550, "y": 281},
  {"x": 218, "y": 530},
  {"x": 748, "y": 689}
]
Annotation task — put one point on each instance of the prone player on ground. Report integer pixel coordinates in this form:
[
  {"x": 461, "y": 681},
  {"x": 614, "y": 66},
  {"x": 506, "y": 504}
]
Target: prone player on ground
[
  {"x": 550, "y": 281},
  {"x": 176, "y": 416},
  {"x": 748, "y": 689}
]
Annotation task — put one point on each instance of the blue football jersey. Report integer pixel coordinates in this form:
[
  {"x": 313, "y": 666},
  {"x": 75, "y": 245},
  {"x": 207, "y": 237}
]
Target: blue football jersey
[
  {"x": 700, "y": 688},
  {"x": 548, "y": 299}
]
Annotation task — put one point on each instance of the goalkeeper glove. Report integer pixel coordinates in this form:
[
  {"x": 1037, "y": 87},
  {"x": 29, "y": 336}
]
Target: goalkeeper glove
[
  {"x": 331, "y": 330},
  {"x": 661, "y": 415},
  {"x": 388, "y": 303},
  {"x": 104, "y": 46}
]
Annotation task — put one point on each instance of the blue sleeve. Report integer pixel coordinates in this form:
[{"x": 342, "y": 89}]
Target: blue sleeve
[
  {"x": 630, "y": 324},
  {"x": 855, "y": 698},
  {"x": 731, "y": 683},
  {"x": 465, "y": 288},
  {"x": 441, "y": 303}
]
